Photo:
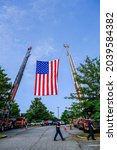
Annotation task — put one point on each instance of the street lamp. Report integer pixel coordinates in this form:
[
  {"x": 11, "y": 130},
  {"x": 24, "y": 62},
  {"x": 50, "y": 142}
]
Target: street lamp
[{"x": 58, "y": 111}]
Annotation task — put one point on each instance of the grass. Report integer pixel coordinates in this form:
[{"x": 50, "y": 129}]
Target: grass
[
  {"x": 83, "y": 136},
  {"x": 2, "y": 135},
  {"x": 86, "y": 134}
]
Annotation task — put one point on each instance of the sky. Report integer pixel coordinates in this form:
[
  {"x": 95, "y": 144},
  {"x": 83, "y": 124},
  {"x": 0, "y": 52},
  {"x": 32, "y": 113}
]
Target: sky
[{"x": 46, "y": 25}]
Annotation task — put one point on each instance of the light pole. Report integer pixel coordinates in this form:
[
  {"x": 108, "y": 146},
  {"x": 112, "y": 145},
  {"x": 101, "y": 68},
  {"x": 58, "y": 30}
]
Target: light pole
[{"x": 58, "y": 111}]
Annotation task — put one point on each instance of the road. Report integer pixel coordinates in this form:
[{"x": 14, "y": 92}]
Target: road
[{"x": 41, "y": 138}]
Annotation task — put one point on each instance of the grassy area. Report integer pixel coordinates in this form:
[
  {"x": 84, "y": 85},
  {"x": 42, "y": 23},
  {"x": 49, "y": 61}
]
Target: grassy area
[
  {"x": 2, "y": 135},
  {"x": 86, "y": 134},
  {"x": 83, "y": 136}
]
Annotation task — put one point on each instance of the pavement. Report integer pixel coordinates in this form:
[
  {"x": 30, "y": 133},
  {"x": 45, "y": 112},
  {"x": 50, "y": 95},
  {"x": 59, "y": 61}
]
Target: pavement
[
  {"x": 82, "y": 141},
  {"x": 42, "y": 138},
  {"x": 46, "y": 141},
  {"x": 72, "y": 141}
]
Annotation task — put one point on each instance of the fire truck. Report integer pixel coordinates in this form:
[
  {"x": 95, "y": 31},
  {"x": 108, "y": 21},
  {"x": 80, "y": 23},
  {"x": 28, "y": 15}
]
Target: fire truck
[
  {"x": 5, "y": 123},
  {"x": 21, "y": 122},
  {"x": 6, "y": 120}
]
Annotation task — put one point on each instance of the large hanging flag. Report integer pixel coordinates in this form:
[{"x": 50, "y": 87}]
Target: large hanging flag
[{"x": 46, "y": 80}]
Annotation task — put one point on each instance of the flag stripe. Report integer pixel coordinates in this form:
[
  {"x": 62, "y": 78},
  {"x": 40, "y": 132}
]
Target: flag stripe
[
  {"x": 35, "y": 84},
  {"x": 47, "y": 85},
  {"x": 46, "y": 82},
  {"x": 55, "y": 78},
  {"x": 39, "y": 83},
  {"x": 52, "y": 78},
  {"x": 49, "y": 79},
  {"x": 57, "y": 74}
]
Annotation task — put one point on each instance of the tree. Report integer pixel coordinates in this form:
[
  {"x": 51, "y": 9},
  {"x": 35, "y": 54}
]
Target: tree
[
  {"x": 15, "y": 111},
  {"x": 38, "y": 111},
  {"x": 89, "y": 87},
  {"x": 5, "y": 88},
  {"x": 75, "y": 110},
  {"x": 66, "y": 116}
]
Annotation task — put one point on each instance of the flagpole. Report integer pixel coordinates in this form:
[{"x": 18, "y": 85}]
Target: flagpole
[{"x": 73, "y": 69}]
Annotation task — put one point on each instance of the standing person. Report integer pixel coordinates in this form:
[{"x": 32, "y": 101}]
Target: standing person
[
  {"x": 26, "y": 124},
  {"x": 91, "y": 130},
  {"x": 58, "y": 131},
  {"x": 70, "y": 124},
  {"x": 65, "y": 128}
]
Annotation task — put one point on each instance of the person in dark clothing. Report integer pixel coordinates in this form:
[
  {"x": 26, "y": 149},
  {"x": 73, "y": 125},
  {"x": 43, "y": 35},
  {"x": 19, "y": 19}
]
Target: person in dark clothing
[
  {"x": 58, "y": 131},
  {"x": 91, "y": 130}
]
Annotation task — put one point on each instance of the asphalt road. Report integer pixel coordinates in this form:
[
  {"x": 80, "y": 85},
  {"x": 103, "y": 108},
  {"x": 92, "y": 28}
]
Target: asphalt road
[{"x": 41, "y": 138}]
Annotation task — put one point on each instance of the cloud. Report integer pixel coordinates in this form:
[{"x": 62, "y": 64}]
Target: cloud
[
  {"x": 10, "y": 19},
  {"x": 11, "y": 14},
  {"x": 14, "y": 20},
  {"x": 43, "y": 8},
  {"x": 43, "y": 50}
]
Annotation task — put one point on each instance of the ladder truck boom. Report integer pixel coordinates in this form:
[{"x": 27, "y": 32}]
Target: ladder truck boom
[
  {"x": 18, "y": 79},
  {"x": 19, "y": 75},
  {"x": 74, "y": 71}
]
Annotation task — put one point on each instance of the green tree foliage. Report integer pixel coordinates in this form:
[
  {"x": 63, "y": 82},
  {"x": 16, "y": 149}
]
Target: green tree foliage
[
  {"x": 72, "y": 112},
  {"x": 75, "y": 110},
  {"x": 89, "y": 81},
  {"x": 38, "y": 111},
  {"x": 15, "y": 111},
  {"x": 89, "y": 87},
  {"x": 5, "y": 87},
  {"x": 66, "y": 116}
]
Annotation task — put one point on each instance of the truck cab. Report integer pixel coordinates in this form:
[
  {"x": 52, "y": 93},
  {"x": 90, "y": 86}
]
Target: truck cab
[{"x": 20, "y": 122}]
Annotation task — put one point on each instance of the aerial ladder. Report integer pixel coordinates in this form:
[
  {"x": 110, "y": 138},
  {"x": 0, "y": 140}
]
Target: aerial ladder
[
  {"x": 17, "y": 80},
  {"x": 74, "y": 71}
]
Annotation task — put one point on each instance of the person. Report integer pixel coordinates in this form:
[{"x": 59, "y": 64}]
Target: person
[
  {"x": 91, "y": 130},
  {"x": 70, "y": 124},
  {"x": 65, "y": 128},
  {"x": 26, "y": 124},
  {"x": 58, "y": 131}
]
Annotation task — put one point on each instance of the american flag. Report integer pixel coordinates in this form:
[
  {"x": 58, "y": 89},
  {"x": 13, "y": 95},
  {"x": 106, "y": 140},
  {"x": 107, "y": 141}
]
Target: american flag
[{"x": 46, "y": 80}]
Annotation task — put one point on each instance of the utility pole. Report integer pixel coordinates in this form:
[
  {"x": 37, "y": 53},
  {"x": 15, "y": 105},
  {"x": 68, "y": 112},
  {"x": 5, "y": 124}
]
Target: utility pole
[
  {"x": 58, "y": 111},
  {"x": 73, "y": 69}
]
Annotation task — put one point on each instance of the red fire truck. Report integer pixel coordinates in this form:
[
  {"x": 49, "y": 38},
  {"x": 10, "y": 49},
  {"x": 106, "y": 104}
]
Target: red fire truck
[{"x": 5, "y": 123}]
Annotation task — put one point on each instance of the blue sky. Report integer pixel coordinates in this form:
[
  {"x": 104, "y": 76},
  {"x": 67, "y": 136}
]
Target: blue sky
[{"x": 46, "y": 25}]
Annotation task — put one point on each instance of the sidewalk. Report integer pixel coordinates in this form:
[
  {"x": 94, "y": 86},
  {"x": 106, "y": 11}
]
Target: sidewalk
[{"x": 84, "y": 144}]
